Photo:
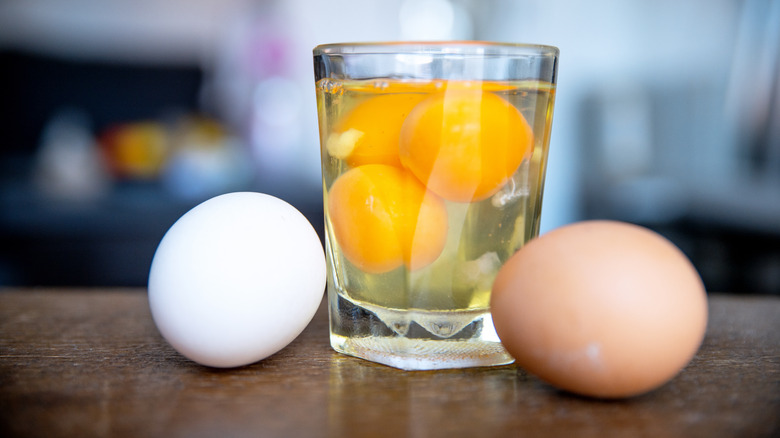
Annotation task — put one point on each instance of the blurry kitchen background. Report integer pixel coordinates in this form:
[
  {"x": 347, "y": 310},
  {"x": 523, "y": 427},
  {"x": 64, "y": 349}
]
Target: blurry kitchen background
[{"x": 117, "y": 116}]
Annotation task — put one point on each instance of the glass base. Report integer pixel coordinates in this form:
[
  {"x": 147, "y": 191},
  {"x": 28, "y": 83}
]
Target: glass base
[{"x": 414, "y": 339}]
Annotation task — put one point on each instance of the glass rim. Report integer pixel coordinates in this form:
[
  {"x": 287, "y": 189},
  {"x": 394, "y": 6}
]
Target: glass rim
[{"x": 435, "y": 47}]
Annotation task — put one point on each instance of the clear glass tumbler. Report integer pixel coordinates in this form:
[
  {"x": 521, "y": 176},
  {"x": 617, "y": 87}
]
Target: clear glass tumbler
[{"x": 433, "y": 164}]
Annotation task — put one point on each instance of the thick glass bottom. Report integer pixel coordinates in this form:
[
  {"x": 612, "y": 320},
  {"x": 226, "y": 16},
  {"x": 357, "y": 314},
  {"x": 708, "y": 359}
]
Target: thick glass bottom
[{"x": 415, "y": 339}]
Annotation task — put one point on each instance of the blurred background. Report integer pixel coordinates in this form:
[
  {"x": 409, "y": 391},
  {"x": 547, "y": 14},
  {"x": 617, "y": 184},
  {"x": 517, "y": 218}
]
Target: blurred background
[{"x": 120, "y": 115}]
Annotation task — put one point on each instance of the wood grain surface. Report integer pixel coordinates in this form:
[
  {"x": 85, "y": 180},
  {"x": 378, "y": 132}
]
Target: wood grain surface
[{"x": 90, "y": 363}]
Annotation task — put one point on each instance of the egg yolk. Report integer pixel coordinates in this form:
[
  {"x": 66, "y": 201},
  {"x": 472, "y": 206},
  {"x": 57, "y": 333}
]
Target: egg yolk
[
  {"x": 382, "y": 218},
  {"x": 368, "y": 134},
  {"x": 464, "y": 144}
]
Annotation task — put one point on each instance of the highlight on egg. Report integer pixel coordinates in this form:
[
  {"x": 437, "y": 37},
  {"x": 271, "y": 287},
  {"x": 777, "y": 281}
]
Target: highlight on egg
[{"x": 603, "y": 309}]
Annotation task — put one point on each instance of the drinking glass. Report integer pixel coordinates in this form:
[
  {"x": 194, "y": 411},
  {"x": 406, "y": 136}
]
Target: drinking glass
[{"x": 433, "y": 166}]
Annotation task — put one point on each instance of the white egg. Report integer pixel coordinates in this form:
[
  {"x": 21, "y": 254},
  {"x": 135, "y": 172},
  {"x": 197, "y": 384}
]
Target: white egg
[{"x": 236, "y": 279}]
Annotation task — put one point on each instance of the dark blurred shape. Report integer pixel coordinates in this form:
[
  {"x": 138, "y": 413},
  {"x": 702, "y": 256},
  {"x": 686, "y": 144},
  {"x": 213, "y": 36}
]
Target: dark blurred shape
[
  {"x": 34, "y": 87},
  {"x": 107, "y": 242},
  {"x": 754, "y": 89},
  {"x": 50, "y": 239},
  {"x": 56, "y": 240}
]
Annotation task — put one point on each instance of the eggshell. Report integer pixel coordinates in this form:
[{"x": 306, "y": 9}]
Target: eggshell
[
  {"x": 600, "y": 308},
  {"x": 236, "y": 279}
]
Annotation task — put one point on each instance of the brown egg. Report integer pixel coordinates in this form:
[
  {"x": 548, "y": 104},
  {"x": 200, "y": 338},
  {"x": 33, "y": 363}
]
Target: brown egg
[{"x": 600, "y": 308}]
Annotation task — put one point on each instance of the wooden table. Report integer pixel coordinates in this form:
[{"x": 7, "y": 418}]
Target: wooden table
[{"x": 79, "y": 363}]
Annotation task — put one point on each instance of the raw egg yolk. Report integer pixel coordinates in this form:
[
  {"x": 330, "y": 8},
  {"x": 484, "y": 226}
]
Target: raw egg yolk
[
  {"x": 382, "y": 217},
  {"x": 464, "y": 144},
  {"x": 368, "y": 134}
]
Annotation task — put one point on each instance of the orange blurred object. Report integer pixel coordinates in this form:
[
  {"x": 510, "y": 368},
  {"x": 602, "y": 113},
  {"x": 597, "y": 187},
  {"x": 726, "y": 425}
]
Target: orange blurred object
[{"x": 136, "y": 150}]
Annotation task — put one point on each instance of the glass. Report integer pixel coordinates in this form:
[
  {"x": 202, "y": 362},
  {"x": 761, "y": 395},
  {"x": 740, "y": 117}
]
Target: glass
[{"x": 433, "y": 164}]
